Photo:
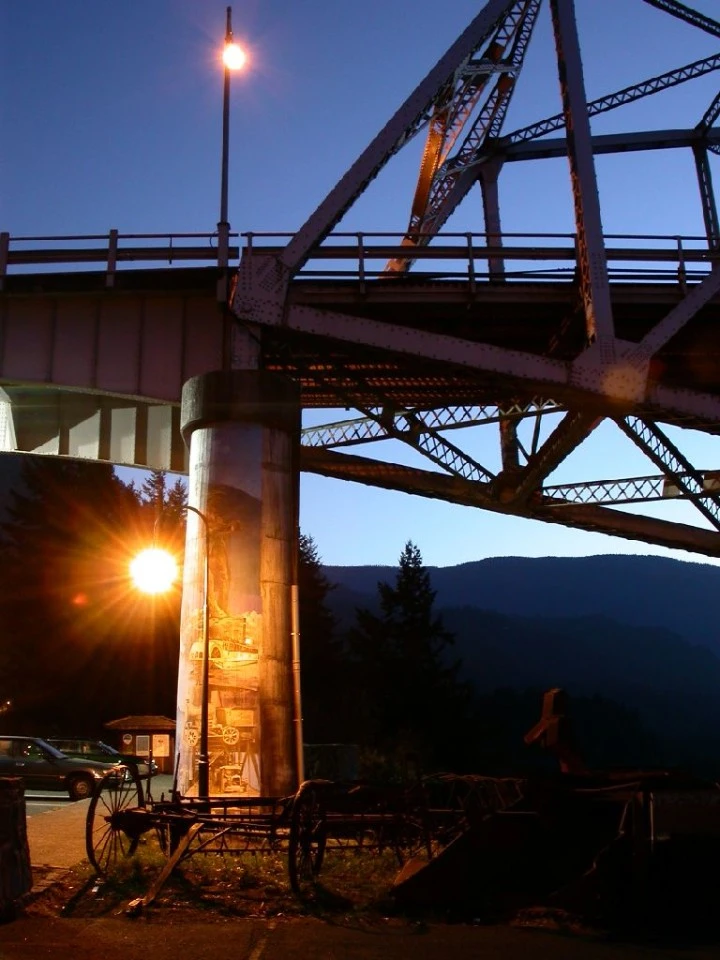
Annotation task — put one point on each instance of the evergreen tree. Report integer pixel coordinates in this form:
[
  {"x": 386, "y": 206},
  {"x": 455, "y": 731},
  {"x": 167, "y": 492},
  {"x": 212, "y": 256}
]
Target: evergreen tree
[
  {"x": 176, "y": 501},
  {"x": 410, "y": 700},
  {"x": 321, "y": 652},
  {"x": 166, "y": 511},
  {"x": 153, "y": 490}
]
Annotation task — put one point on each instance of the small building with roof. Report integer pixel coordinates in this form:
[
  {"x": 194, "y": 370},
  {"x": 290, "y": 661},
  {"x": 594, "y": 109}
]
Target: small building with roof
[{"x": 146, "y": 736}]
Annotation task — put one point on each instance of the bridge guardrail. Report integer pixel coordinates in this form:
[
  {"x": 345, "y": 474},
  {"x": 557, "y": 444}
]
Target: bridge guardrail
[
  {"x": 110, "y": 249},
  {"x": 364, "y": 256},
  {"x": 648, "y": 258}
]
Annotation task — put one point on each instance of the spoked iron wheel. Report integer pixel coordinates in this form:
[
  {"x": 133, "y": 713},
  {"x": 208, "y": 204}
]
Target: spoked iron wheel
[
  {"x": 111, "y": 832},
  {"x": 308, "y": 836}
]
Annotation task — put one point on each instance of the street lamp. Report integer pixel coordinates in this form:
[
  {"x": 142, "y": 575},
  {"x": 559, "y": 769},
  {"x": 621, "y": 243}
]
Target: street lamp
[
  {"x": 154, "y": 571},
  {"x": 204, "y": 753},
  {"x": 234, "y": 58}
]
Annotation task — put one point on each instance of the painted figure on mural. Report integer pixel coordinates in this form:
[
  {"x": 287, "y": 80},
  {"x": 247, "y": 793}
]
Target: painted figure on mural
[{"x": 234, "y": 555}]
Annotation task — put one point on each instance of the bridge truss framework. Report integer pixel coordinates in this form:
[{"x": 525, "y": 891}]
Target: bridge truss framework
[
  {"x": 539, "y": 337},
  {"x": 610, "y": 337}
]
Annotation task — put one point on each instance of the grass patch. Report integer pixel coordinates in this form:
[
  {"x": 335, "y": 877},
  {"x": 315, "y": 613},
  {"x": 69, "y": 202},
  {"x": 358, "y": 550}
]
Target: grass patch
[{"x": 351, "y": 881}]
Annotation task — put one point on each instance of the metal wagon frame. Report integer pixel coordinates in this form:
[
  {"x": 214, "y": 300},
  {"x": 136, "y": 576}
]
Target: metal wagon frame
[{"x": 322, "y": 816}]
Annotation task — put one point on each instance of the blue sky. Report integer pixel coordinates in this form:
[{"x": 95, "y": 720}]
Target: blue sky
[{"x": 111, "y": 117}]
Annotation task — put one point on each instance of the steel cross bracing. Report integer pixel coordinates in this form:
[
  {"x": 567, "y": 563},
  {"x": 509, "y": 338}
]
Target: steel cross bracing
[
  {"x": 409, "y": 426},
  {"x": 613, "y": 100},
  {"x": 626, "y": 490},
  {"x": 371, "y": 429},
  {"x": 419, "y": 353},
  {"x": 660, "y": 449},
  {"x": 629, "y": 489}
]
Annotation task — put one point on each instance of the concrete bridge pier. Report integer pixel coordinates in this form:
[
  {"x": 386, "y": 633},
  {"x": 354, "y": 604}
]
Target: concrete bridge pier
[{"x": 242, "y": 428}]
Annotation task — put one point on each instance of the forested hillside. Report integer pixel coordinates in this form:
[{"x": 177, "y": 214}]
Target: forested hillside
[{"x": 642, "y": 591}]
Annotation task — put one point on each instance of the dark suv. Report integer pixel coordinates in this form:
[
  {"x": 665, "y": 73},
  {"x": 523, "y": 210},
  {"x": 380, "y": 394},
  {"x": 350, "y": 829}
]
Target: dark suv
[
  {"x": 41, "y": 766},
  {"x": 103, "y": 752}
]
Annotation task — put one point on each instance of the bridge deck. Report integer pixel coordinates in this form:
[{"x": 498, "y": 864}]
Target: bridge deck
[{"x": 540, "y": 318}]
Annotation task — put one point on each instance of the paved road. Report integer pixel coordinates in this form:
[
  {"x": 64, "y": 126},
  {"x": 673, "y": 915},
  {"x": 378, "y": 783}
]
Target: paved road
[
  {"x": 36, "y": 802},
  {"x": 38, "y": 938}
]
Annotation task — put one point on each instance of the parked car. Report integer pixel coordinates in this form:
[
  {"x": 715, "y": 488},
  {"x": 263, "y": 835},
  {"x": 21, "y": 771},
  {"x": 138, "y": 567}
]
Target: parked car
[
  {"x": 103, "y": 752},
  {"x": 41, "y": 766}
]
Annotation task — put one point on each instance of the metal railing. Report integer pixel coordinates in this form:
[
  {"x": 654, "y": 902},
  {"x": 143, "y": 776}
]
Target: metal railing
[
  {"x": 110, "y": 250},
  {"x": 363, "y": 256},
  {"x": 467, "y": 256}
]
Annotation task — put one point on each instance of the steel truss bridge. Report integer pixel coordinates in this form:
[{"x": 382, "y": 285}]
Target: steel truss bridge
[{"x": 541, "y": 337}]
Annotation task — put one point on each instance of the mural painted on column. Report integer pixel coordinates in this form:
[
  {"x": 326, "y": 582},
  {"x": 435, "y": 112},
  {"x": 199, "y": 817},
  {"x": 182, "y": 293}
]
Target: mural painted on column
[{"x": 233, "y": 513}]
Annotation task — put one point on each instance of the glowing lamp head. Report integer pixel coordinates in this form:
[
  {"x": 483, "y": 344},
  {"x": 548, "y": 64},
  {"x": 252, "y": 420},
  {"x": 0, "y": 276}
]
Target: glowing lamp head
[
  {"x": 234, "y": 57},
  {"x": 153, "y": 570}
]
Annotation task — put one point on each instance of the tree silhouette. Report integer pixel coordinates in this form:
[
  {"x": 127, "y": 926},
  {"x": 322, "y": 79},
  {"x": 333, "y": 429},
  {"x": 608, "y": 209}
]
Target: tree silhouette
[
  {"x": 322, "y": 658},
  {"x": 165, "y": 512},
  {"x": 409, "y": 699},
  {"x": 153, "y": 490}
]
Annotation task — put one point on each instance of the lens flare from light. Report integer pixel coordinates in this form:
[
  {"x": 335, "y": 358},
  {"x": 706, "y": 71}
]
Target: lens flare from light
[
  {"x": 234, "y": 57},
  {"x": 153, "y": 570}
]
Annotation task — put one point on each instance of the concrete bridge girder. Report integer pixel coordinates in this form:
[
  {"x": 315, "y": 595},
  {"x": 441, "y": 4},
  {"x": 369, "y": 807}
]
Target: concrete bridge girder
[
  {"x": 143, "y": 339},
  {"x": 68, "y": 423}
]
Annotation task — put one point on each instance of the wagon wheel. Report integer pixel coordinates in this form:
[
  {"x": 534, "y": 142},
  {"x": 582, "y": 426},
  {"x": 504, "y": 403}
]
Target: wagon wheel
[
  {"x": 192, "y": 736},
  {"x": 230, "y": 735},
  {"x": 111, "y": 832},
  {"x": 308, "y": 836}
]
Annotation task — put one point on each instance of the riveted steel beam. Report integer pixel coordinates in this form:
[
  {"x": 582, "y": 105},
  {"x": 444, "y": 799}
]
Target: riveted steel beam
[
  {"x": 710, "y": 115},
  {"x": 678, "y": 317},
  {"x": 592, "y": 263},
  {"x": 540, "y": 373},
  {"x": 687, "y": 14},
  {"x": 518, "y": 486},
  {"x": 707, "y": 196},
  {"x": 613, "y": 143},
  {"x": 509, "y": 446},
  {"x": 488, "y": 179}
]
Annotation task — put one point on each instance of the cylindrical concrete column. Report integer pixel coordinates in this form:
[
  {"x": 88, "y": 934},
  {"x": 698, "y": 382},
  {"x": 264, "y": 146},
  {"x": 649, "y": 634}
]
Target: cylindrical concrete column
[{"x": 243, "y": 431}]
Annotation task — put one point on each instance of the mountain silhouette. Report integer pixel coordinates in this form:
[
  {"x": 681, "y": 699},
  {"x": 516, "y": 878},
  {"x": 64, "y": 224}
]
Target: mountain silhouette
[
  {"x": 639, "y": 630},
  {"x": 641, "y": 591}
]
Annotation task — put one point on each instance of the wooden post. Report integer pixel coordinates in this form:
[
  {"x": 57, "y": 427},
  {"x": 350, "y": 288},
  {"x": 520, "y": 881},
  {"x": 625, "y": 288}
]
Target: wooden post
[{"x": 15, "y": 872}]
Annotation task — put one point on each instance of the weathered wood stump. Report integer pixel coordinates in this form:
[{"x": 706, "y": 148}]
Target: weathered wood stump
[{"x": 15, "y": 871}]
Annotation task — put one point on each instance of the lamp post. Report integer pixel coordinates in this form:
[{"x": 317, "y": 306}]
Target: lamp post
[
  {"x": 203, "y": 752},
  {"x": 233, "y": 59},
  {"x": 154, "y": 570}
]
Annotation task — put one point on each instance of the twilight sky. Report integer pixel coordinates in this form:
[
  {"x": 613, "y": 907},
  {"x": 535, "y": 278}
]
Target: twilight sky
[{"x": 111, "y": 117}]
